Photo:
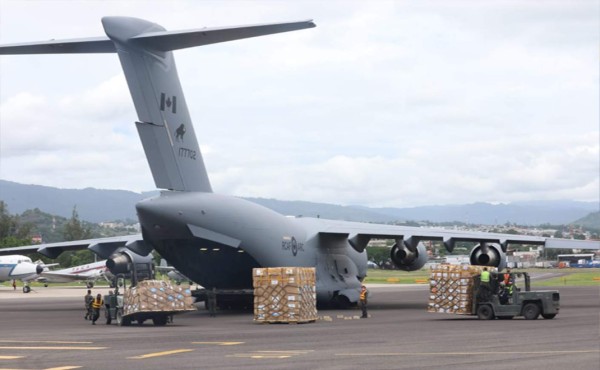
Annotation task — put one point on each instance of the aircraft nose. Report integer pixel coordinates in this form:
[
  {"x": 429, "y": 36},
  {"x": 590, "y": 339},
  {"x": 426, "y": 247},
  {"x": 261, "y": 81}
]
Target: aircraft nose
[{"x": 23, "y": 269}]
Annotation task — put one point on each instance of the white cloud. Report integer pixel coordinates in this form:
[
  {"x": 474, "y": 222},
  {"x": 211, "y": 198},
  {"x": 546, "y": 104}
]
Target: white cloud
[{"x": 383, "y": 104}]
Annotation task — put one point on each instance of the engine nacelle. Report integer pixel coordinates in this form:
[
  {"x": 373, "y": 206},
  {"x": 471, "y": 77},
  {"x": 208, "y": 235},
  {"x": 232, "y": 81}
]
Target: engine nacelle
[
  {"x": 121, "y": 261},
  {"x": 488, "y": 254},
  {"x": 408, "y": 258}
]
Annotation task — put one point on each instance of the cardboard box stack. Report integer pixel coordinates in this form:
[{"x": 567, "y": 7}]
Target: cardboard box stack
[
  {"x": 451, "y": 288},
  {"x": 284, "y": 294},
  {"x": 157, "y": 296}
]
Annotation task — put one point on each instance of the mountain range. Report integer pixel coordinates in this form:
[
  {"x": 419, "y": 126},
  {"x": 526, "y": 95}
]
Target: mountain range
[{"x": 96, "y": 205}]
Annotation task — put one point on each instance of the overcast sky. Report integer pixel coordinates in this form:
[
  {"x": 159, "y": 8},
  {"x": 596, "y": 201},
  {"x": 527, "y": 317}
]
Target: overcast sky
[{"x": 400, "y": 103}]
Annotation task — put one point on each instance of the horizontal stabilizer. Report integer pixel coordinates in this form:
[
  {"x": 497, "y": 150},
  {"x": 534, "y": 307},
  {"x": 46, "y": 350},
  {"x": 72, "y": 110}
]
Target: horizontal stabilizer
[
  {"x": 74, "y": 46},
  {"x": 160, "y": 40},
  {"x": 174, "y": 40}
]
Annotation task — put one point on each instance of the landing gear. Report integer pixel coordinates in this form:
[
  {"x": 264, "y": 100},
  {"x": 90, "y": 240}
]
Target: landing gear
[
  {"x": 89, "y": 284},
  {"x": 26, "y": 289}
]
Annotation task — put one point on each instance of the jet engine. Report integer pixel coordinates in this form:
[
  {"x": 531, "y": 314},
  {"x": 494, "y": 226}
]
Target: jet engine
[
  {"x": 488, "y": 254},
  {"x": 408, "y": 258},
  {"x": 124, "y": 261}
]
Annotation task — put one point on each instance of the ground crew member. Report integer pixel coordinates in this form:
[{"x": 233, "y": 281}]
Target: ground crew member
[
  {"x": 14, "y": 284},
  {"x": 88, "y": 305},
  {"x": 96, "y": 305},
  {"x": 485, "y": 283},
  {"x": 507, "y": 277},
  {"x": 362, "y": 301}
]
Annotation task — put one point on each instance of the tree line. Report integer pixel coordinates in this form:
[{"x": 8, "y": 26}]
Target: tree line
[{"x": 16, "y": 231}]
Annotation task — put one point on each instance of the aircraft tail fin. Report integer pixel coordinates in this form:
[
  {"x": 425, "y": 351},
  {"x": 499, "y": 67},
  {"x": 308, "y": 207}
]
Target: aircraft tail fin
[{"x": 145, "y": 52}]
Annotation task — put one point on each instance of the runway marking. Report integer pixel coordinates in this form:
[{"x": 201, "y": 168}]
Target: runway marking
[
  {"x": 158, "y": 354},
  {"x": 54, "y": 368},
  {"x": 270, "y": 354},
  {"x": 472, "y": 353},
  {"x": 10, "y": 357},
  {"x": 42, "y": 341},
  {"x": 52, "y": 347},
  {"x": 220, "y": 343}
]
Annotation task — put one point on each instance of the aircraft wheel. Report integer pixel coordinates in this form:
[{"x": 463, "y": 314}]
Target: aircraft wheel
[
  {"x": 26, "y": 289},
  {"x": 90, "y": 285},
  {"x": 531, "y": 311},
  {"x": 485, "y": 312},
  {"x": 548, "y": 316}
]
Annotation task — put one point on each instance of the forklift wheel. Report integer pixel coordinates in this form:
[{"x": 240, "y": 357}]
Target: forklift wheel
[
  {"x": 548, "y": 315},
  {"x": 485, "y": 312},
  {"x": 122, "y": 321},
  {"x": 531, "y": 311}
]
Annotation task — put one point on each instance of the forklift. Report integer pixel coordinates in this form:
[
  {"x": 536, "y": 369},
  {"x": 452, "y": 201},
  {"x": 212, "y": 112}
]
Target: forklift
[
  {"x": 503, "y": 302},
  {"x": 114, "y": 302}
]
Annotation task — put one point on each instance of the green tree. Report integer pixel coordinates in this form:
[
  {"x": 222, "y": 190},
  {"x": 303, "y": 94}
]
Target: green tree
[
  {"x": 13, "y": 232},
  {"x": 75, "y": 230},
  {"x": 379, "y": 255}
]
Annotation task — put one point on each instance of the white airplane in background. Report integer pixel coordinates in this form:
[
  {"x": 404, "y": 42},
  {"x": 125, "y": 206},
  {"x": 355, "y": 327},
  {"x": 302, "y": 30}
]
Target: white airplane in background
[
  {"x": 89, "y": 272},
  {"x": 18, "y": 267},
  {"x": 172, "y": 272}
]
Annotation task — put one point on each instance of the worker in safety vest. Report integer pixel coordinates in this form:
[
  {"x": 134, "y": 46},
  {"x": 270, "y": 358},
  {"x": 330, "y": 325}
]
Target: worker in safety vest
[
  {"x": 509, "y": 282},
  {"x": 362, "y": 301},
  {"x": 97, "y": 303},
  {"x": 507, "y": 277},
  {"x": 485, "y": 284}
]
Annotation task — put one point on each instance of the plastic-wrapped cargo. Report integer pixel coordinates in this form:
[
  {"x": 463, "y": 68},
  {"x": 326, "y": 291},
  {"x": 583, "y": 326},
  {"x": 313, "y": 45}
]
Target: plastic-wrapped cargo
[
  {"x": 284, "y": 294},
  {"x": 451, "y": 288},
  {"x": 157, "y": 296}
]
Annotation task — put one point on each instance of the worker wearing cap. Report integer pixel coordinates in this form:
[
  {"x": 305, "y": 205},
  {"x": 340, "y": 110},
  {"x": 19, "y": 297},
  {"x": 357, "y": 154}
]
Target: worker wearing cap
[{"x": 362, "y": 301}]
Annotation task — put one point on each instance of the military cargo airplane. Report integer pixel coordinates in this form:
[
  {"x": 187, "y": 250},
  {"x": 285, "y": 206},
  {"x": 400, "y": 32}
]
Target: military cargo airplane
[{"x": 215, "y": 239}]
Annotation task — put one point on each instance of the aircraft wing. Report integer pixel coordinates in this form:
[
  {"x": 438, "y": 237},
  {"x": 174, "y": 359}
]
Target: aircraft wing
[
  {"x": 359, "y": 234},
  {"x": 104, "y": 247},
  {"x": 64, "y": 277}
]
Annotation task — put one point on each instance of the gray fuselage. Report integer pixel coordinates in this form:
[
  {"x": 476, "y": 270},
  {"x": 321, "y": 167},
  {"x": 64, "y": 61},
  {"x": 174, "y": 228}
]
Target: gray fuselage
[{"x": 216, "y": 240}]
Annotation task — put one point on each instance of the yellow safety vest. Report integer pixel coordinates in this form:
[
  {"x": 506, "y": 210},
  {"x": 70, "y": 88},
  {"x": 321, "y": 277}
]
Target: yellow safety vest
[
  {"x": 363, "y": 295},
  {"x": 97, "y": 303},
  {"x": 485, "y": 276}
]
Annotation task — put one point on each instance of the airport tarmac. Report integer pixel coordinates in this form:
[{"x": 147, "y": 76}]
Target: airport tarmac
[{"x": 45, "y": 329}]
